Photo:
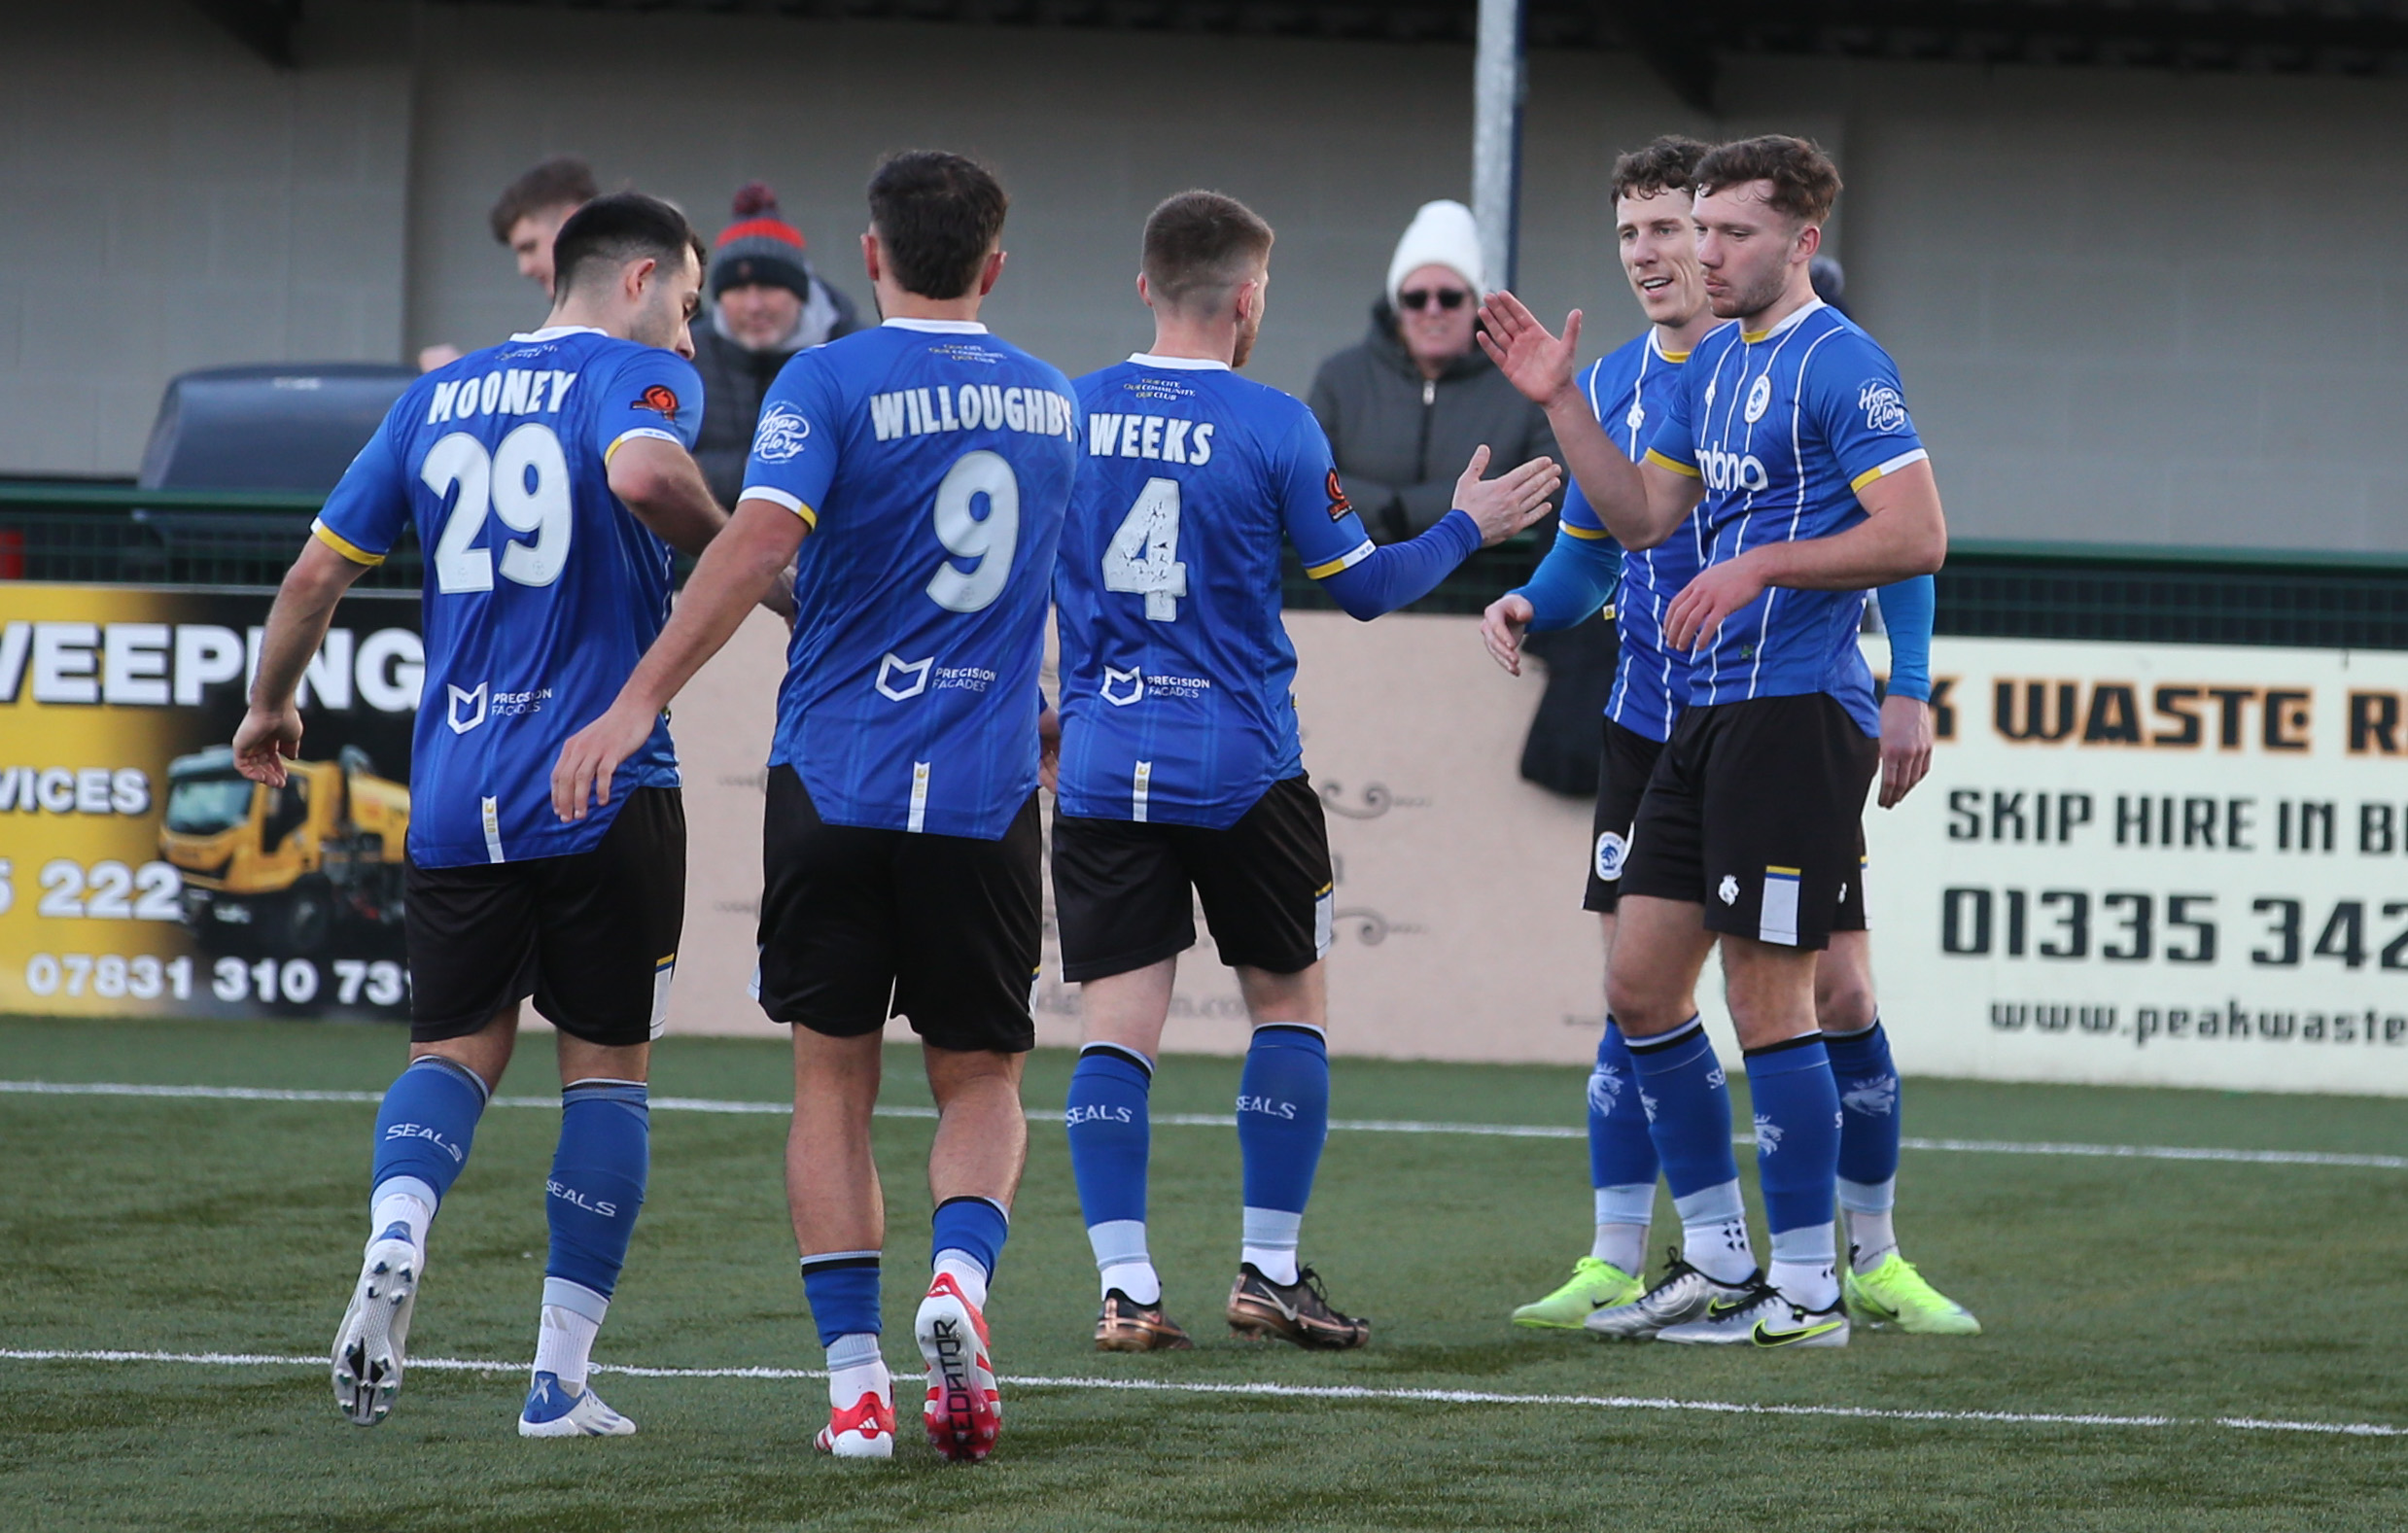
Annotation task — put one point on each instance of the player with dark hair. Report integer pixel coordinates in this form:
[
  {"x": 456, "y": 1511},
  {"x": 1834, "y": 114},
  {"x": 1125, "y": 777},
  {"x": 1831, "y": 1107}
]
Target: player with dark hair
[
  {"x": 1652, "y": 190},
  {"x": 530, "y": 210},
  {"x": 1182, "y": 775},
  {"x": 547, "y": 479},
  {"x": 921, "y": 468},
  {"x": 1786, "y": 434}
]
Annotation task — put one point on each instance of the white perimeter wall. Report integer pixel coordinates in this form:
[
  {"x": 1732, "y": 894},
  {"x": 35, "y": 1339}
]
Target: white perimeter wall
[{"x": 2129, "y": 306}]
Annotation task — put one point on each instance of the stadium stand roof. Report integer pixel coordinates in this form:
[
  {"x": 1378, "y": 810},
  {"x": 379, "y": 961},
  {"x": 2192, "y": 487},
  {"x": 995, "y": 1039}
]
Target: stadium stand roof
[{"x": 1684, "y": 41}]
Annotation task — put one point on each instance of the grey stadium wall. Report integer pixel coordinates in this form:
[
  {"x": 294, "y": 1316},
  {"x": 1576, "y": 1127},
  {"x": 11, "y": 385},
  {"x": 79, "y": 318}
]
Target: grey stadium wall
[{"x": 2132, "y": 307}]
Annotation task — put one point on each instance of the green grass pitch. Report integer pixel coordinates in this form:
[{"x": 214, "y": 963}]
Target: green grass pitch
[{"x": 2128, "y": 1288}]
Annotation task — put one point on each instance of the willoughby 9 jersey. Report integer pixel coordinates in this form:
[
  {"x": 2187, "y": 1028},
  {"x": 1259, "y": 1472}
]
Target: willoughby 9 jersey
[
  {"x": 1176, "y": 668},
  {"x": 541, "y": 590},
  {"x": 1627, "y": 389},
  {"x": 1785, "y": 426},
  {"x": 933, "y": 462}
]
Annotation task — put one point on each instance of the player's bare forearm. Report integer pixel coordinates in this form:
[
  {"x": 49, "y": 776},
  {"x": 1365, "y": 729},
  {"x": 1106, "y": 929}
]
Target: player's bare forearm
[
  {"x": 735, "y": 571},
  {"x": 662, "y": 485},
  {"x": 1905, "y": 536},
  {"x": 1596, "y": 464},
  {"x": 271, "y": 730}
]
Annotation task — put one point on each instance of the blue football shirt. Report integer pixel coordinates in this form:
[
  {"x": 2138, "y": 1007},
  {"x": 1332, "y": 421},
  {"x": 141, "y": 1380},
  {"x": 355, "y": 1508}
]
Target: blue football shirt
[
  {"x": 541, "y": 590},
  {"x": 1627, "y": 389},
  {"x": 1784, "y": 427},
  {"x": 933, "y": 462},
  {"x": 1175, "y": 667}
]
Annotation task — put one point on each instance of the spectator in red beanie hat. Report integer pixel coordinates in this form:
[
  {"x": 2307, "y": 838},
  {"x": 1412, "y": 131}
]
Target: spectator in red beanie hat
[{"x": 766, "y": 304}]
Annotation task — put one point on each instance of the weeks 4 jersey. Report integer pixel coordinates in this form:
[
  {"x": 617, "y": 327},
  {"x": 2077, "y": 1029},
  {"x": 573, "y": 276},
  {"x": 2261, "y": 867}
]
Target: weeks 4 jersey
[
  {"x": 1176, "y": 668},
  {"x": 932, "y": 463},
  {"x": 541, "y": 590}
]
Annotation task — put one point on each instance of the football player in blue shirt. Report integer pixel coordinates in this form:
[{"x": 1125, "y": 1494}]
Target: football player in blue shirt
[
  {"x": 547, "y": 479},
  {"x": 921, "y": 468},
  {"x": 1788, "y": 436},
  {"x": 1658, "y": 238},
  {"x": 1181, "y": 777}
]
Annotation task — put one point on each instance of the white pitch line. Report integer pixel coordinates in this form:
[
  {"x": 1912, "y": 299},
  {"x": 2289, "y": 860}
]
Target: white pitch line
[
  {"x": 1205, "y": 1120},
  {"x": 1257, "y": 1390}
]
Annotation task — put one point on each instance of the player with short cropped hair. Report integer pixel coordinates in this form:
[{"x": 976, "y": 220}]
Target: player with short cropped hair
[
  {"x": 1652, "y": 197},
  {"x": 1786, "y": 434},
  {"x": 548, "y": 478},
  {"x": 921, "y": 468},
  {"x": 1182, "y": 775}
]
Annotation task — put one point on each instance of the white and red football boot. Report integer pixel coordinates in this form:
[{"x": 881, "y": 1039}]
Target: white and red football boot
[
  {"x": 864, "y": 1429},
  {"x": 964, "y": 1411}
]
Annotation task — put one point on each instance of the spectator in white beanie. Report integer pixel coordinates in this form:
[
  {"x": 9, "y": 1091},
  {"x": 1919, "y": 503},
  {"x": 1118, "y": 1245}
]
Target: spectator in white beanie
[{"x": 1408, "y": 405}]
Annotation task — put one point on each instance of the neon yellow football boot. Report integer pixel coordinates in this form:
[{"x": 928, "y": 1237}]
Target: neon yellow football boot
[
  {"x": 1895, "y": 1294},
  {"x": 1596, "y": 1285}
]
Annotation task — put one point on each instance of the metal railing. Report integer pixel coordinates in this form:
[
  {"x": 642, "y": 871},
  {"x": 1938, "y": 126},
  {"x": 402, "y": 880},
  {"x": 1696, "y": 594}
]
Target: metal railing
[
  {"x": 115, "y": 533},
  {"x": 119, "y": 534}
]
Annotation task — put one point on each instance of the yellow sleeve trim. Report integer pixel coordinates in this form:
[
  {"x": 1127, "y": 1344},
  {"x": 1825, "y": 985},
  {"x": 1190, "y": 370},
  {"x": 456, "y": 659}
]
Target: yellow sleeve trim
[
  {"x": 1687, "y": 470},
  {"x": 1593, "y": 534},
  {"x": 344, "y": 546},
  {"x": 1344, "y": 561},
  {"x": 1892, "y": 466},
  {"x": 774, "y": 496}
]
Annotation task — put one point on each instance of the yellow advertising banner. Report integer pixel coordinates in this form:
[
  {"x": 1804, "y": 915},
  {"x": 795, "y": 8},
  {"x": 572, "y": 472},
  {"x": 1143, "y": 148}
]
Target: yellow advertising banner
[{"x": 139, "y": 873}]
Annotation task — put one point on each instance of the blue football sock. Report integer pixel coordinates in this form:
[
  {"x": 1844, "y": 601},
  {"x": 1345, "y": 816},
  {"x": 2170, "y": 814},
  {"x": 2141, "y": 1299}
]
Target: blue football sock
[
  {"x": 966, "y": 1239},
  {"x": 424, "y": 1129},
  {"x": 1798, "y": 1162},
  {"x": 1283, "y": 1117},
  {"x": 597, "y": 1183},
  {"x": 841, "y": 1289},
  {"x": 1869, "y": 1125},
  {"x": 1622, "y": 1156},
  {"x": 1109, "y": 1142},
  {"x": 1688, "y": 1102}
]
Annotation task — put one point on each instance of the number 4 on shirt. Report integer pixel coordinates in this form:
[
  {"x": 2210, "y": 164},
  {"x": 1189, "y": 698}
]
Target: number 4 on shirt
[{"x": 1143, "y": 557}]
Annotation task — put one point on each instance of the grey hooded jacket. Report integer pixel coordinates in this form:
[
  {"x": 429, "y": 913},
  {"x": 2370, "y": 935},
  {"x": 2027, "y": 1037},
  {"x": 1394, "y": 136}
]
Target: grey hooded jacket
[{"x": 1402, "y": 440}]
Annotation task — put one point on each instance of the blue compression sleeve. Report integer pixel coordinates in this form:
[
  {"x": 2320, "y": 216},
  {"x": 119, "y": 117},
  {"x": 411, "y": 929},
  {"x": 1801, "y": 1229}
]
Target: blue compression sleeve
[
  {"x": 1574, "y": 581},
  {"x": 1906, "y": 609},
  {"x": 1404, "y": 572}
]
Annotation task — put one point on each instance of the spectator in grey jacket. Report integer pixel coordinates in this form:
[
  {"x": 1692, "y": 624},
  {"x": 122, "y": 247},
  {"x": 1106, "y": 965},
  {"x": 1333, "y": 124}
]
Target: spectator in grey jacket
[
  {"x": 766, "y": 304},
  {"x": 1406, "y": 407}
]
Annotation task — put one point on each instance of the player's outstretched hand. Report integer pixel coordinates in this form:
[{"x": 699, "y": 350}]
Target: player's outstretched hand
[
  {"x": 1906, "y": 746},
  {"x": 1509, "y": 502},
  {"x": 1501, "y": 628},
  {"x": 1532, "y": 360},
  {"x": 1717, "y": 591},
  {"x": 581, "y": 777},
  {"x": 265, "y": 740}
]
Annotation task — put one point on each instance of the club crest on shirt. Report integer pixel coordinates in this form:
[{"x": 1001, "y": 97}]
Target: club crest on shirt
[
  {"x": 661, "y": 399},
  {"x": 1759, "y": 398},
  {"x": 1340, "y": 505},
  {"x": 1884, "y": 408},
  {"x": 1637, "y": 416},
  {"x": 780, "y": 435}
]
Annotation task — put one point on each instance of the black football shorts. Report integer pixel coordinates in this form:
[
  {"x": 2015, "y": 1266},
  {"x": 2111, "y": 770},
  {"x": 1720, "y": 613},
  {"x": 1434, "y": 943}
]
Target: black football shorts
[
  {"x": 1755, "y": 811},
  {"x": 859, "y": 924},
  {"x": 592, "y": 936},
  {"x": 1121, "y": 888}
]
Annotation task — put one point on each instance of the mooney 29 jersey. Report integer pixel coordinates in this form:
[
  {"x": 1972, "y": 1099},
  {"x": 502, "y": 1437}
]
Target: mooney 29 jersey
[
  {"x": 541, "y": 590},
  {"x": 1785, "y": 426},
  {"x": 1627, "y": 389},
  {"x": 1176, "y": 668},
  {"x": 933, "y": 464}
]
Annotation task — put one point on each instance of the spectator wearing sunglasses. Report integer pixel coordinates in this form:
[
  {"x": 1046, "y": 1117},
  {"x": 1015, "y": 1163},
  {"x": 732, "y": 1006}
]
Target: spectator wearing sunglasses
[{"x": 1405, "y": 409}]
